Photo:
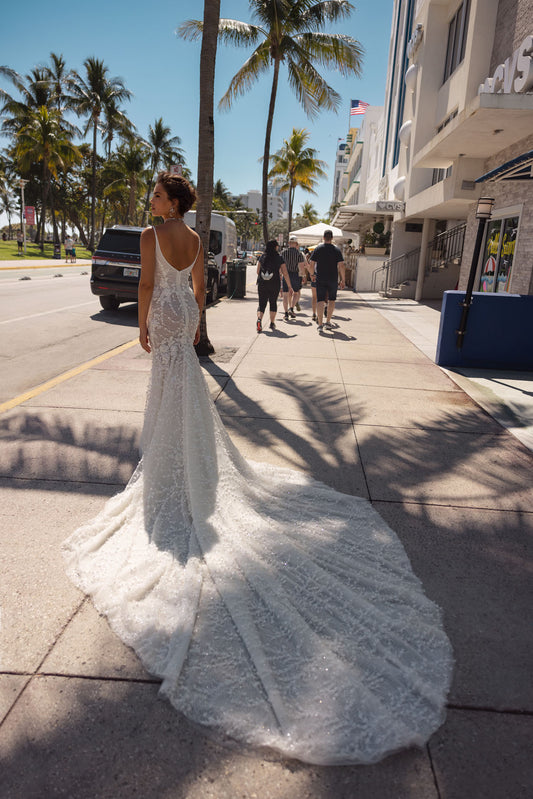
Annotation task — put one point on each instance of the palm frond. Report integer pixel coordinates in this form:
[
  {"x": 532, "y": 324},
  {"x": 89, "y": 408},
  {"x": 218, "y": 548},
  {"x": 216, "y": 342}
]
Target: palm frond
[
  {"x": 247, "y": 75},
  {"x": 319, "y": 14},
  {"x": 333, "y": 50}
]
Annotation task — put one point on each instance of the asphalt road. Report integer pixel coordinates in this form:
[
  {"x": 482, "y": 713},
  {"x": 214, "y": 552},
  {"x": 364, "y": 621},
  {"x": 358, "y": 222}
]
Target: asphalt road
[{"x": 51, "y": 323}]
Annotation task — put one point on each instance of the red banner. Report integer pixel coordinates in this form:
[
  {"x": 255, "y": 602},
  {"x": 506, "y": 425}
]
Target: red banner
[{"x": 29, "y": 214}]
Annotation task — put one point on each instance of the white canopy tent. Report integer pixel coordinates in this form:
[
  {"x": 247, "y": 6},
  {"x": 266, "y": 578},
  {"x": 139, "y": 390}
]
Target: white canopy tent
[{"x": 314, "y": 234}]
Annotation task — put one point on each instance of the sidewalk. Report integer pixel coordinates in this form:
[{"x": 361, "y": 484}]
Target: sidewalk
[{"x": 363, "y": 409}]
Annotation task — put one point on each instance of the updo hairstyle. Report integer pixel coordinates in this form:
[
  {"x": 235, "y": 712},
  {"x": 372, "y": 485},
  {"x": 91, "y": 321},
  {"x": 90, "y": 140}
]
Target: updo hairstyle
[{"x": 178, "y": 188}]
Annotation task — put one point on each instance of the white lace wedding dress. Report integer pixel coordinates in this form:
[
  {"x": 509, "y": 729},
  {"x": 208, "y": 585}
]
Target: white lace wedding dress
[{"x": 305, "y": 632}]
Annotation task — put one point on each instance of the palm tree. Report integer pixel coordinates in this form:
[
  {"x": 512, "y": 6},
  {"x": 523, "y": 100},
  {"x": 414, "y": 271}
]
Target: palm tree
[
  {"x": 129, "y": 165},
  {"x": 90, "y": 97},
  {"x": 289, "y": 32},
  {"x": 206, "y": 145},
  {"x": 44, "y": 140},
  {"x": 59, "y": 80},
  {"x": 294, "y": 165},
  {"x": 309, "y": 213},
  {"x": 35, "y": 91},
  {"x": 163, "y": 147},
  {"x": 221, "y": 197}
]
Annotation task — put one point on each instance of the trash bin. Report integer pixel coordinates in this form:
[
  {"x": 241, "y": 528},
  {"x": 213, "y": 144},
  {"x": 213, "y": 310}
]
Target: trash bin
[
  {"x": 236, "y": 280},
  {"x": 57, "y": 250}
]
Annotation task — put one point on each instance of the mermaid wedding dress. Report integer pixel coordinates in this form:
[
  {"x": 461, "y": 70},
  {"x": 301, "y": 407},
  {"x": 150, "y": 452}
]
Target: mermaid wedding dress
[{"x": 312, "y": 637}]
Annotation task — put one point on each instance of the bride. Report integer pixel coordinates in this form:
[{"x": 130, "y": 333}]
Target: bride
[{"x": 312, "y": 637}]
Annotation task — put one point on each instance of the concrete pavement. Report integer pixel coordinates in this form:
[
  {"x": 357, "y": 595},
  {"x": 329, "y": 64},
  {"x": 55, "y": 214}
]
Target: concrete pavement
[{"x": 365, "y": 410}]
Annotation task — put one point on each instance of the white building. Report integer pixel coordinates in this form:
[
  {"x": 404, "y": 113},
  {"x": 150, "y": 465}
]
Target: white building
[
  {"x": 252, "y": 201},
  {"x": 459, "y": 103}
]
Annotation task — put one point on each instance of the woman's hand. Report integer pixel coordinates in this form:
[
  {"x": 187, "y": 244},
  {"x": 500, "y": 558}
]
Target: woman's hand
[{"x": 144, "y": 339}]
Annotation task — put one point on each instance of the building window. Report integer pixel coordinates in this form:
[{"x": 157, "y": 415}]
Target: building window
[
  {"x": 457, "y": 31},
  {"x": 440, "y": 174},
  {"x": 498, "y": 255}
]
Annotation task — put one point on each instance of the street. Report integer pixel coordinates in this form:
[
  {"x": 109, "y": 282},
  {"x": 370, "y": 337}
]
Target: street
[{"x": 51, "y": 324}]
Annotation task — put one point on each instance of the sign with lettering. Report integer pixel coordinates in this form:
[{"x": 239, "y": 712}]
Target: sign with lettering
[
  {"x": 390, "y": 205},
  {"x": 29, "y": 214},
  {"x": 515, "y": 75}
]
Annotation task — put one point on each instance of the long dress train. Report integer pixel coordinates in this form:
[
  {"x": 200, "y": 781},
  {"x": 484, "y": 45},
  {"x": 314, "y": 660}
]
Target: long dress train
[{"x": 312, "y": 637}]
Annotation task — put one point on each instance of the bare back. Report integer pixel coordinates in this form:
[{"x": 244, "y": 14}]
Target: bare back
[{"x": 178, "y": 243}]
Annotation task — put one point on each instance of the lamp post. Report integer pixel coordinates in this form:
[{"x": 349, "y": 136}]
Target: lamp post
[{"x": 483, "y": 214}]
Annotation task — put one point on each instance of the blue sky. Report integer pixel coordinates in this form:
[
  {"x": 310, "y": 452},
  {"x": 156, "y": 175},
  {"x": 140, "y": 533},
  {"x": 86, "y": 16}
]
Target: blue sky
[{"x": 138, "y": 43}]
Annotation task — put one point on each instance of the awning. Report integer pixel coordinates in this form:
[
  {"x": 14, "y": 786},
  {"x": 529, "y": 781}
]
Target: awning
[
  {"x": 520, "y": 168},
  {"x": 353, "y": 218}
]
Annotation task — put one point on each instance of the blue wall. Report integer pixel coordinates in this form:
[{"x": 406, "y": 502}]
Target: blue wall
[{"x": 499, "y": 331}]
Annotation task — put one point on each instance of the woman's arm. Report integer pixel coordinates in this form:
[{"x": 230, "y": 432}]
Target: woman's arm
[
  {"x": 198, "y": 287},
  {"x": 146, "y": 284},
  {"x": 285, "y": 273}
]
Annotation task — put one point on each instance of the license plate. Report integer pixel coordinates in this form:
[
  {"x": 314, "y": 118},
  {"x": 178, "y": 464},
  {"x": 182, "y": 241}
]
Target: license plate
[{"x": 130, "y": 272}]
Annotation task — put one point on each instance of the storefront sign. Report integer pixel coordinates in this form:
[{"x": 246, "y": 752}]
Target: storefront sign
[
  {"x": 393, "y": 206},
  {"x": 515, "y": 75}
]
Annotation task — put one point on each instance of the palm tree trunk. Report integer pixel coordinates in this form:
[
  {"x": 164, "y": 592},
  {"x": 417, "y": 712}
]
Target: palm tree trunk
[
  {"x": 206, "y": 145},
  {"x": 93, "y": 187},
  {"x": 266, "y": 153},
  {"x": 292, "y": 190},
  {"x": 55, "y": 234}
]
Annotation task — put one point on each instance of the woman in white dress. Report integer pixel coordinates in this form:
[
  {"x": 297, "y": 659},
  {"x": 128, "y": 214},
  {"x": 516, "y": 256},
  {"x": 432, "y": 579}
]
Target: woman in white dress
[{"x": 313, "y": 638}]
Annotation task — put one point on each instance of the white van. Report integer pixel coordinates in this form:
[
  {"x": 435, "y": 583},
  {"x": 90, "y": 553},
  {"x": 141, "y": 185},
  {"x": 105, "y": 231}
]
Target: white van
[{"x": 222, "y": 241}]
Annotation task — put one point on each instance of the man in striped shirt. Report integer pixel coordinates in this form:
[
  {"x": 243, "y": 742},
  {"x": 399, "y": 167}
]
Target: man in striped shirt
[{"x": 293, "y": 258}]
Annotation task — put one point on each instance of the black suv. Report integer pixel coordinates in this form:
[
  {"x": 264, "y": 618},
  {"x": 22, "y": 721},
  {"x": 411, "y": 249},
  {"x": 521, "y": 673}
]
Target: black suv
[{"x": 116, "y": 268}]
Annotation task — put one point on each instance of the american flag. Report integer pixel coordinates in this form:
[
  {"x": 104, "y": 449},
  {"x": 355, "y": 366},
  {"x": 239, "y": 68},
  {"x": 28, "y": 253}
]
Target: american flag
[{"x": 358, "y": 107}]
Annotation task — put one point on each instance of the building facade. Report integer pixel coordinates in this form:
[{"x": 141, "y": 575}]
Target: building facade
[
  {"x": 459, "y": 104},
  {"x": 252, "y": 201}
]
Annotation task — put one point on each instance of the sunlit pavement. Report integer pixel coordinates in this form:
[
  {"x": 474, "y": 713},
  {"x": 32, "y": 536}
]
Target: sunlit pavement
[{"x": 362, "y": 408}]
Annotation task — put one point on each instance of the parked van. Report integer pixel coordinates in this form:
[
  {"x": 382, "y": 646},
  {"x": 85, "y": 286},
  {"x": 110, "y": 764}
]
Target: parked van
[{"x": 222, "y": 241}]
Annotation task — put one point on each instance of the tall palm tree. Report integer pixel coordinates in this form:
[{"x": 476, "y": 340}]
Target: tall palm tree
[
  {"x": 206, "y": 145},
  {"x": 162, "y": 146},
  {"x": 289, "y": 32},
  {"x": 129, "y": 166},
  {"x": 309, "y": 213},
  {"x": 90, "y": 97},
  {"x": 44, "y": 140},
  {"x": 294, "y": 165},
  {"x": 34, "y": 91},
  {"x": 59, "y": 79}
]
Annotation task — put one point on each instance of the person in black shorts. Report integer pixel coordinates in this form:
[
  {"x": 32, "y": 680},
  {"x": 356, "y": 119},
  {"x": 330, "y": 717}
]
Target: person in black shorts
[
  {"x": 328, "y": 264},
  {"x": 269, "y": 266},
  {"x": 291, "y": 290}
]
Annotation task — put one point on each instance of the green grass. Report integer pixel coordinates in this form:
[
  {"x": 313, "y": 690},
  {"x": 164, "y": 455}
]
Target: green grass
[{"x": 9, "y": 249}]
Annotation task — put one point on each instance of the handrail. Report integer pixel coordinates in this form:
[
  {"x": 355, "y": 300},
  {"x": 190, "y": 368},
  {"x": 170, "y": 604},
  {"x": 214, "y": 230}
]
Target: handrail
[{"x": 445, "y": 248}]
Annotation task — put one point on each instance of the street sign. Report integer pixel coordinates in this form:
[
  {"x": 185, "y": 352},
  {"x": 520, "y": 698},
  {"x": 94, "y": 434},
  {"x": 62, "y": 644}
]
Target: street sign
[
  {"x": 176, "y": 169},
  {"x": 29, "y": 214}
]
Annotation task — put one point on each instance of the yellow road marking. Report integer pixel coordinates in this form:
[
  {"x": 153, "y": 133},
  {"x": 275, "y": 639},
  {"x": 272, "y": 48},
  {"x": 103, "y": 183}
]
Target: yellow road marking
[{"x": 34, "y": 392}]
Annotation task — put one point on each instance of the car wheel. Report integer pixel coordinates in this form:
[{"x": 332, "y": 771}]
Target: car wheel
[
  {"x": 213, "y": 292},
  {"x": 109, "y": 302}
]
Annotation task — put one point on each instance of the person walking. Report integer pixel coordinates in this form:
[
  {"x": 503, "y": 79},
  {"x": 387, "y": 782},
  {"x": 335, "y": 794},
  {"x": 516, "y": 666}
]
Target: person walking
[
  {"x": 20, "y": 243},
  {"x": 328, "y": 264},
  {"x": 292, "y": 257},
  {"x": 312, "y": 280},
  {"x": 269, "y": 267}
]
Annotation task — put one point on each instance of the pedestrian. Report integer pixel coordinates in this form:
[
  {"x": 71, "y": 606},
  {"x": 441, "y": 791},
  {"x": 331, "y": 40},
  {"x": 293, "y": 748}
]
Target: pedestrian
[
  {"x": 276, "y": 611},
  {"x": 312, "y": 279},
  {"x": 269, "y": 268},
  {"x": 291, "y": 290},
  {"x": 69, "y": 244},
  {"x": 328, "y": 264},
  {"x": 20, "y": 243}
]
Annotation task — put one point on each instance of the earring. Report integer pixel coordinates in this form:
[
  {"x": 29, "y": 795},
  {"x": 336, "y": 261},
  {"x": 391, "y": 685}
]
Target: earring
[{"x": 171, "y": 212}]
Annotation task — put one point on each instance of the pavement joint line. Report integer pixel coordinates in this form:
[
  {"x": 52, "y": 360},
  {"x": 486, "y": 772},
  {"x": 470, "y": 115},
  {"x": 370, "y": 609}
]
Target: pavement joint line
[
  {"x": 34, "y": 392},
  {"x": 98, "y": 678}
]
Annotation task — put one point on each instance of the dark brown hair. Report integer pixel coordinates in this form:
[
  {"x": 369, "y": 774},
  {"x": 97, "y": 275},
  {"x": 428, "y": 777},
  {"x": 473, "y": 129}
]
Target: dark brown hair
[{"x": 178, "y": 188}]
